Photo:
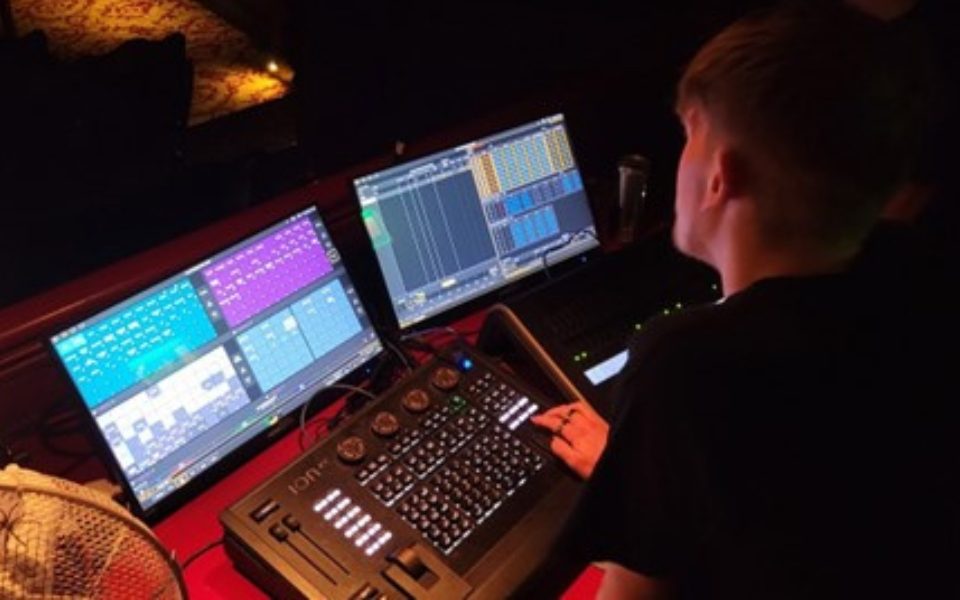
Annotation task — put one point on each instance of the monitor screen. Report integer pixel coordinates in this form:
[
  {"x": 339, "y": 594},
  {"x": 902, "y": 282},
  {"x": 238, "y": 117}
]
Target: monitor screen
[
  {"x": 458, "y": 224},
  {"x": 184, "y": 373}
]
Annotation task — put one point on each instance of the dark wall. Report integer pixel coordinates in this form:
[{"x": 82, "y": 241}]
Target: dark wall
[
  {"x": 88, "y": 151},
  {"x": 91, "y": 152},
  {"x": 372, "y": 72}
]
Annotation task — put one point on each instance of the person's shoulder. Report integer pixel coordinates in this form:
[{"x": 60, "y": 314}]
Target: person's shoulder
[
  {"x": 667, "y": 355},
  {"x": 904, "y": 267},
  {"x": 904, "y": 249},
  {"x": 725, "y": 342},
  {"x": 728, "y": 320},
  {"x": 677, "y": 333}
]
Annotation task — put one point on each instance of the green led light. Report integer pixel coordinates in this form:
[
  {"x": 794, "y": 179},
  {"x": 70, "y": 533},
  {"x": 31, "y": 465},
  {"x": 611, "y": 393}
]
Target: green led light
[
  {"x": 678, "y": 306},
  {"x": 638, "y": 326}
]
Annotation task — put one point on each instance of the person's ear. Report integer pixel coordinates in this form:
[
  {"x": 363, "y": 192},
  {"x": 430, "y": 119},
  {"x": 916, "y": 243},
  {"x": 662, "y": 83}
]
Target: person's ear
[{"x": 727, "y": 176}]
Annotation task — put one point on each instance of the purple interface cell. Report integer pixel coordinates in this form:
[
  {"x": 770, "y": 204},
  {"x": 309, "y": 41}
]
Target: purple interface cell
[{"x": 260, "y": 275}]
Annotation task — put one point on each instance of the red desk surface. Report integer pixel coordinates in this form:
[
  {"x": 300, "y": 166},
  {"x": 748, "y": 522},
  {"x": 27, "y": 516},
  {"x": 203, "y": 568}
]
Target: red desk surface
[{"x": 195, "y": 525}]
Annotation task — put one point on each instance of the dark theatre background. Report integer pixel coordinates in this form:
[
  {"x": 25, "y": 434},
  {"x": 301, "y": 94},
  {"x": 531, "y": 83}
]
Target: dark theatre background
[
  {"x": 98, "y": 162},
  {"x": 102, "y": 180}
]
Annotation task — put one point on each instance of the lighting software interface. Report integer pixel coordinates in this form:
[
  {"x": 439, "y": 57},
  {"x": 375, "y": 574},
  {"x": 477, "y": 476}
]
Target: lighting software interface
[
  {"x": 460, "y": 223},
  {"x": 187, "y": 371}
]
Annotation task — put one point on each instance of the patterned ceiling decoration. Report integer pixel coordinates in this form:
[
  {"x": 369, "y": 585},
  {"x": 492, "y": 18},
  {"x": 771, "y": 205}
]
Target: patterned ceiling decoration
[{"x": 229, "y": 73}]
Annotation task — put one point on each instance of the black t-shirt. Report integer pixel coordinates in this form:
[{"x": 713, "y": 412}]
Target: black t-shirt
[{"x": 798, "y": 440}]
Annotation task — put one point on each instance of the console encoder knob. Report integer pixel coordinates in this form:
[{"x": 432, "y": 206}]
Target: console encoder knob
[
  {"x": 385, "y": 424},
  {"x": 445, "y": 378},
  {"x": 351, "y": 450},
  {"x": 416, "y": 400}
]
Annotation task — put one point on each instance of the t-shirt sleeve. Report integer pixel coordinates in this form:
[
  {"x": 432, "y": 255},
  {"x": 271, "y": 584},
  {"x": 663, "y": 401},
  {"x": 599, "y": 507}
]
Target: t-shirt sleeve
[{"x": 646, "y": 504}]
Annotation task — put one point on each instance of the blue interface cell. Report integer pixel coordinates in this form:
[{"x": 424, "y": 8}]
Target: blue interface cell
[
  {"x": 540, "y": 224},
  {"x": 534, "y": 227},
  {"x": 529, "y": 229},
  {"x": 553, "y": 228},
  {"x": 527, "y": 200},
  {"x": 537, "y": 193},
  {"x": 519, "y": 237},
  {"x": 275, "y": 349},
  {"x": 571, "y": 182},
  {"x": 326, "y": 318},
  {"x": 542, "y": 192},
  {"x": 129, "y": 346}
]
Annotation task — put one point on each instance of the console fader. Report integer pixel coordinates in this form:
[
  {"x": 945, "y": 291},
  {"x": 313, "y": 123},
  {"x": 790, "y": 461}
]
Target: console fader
[{"x": 439, "y": 489}]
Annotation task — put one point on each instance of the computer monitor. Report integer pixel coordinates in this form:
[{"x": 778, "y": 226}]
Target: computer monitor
[
  {"x": 186, "y": 373},
  {"x": 455, "y": 225}
]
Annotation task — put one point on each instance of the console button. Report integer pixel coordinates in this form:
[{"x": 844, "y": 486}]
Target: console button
[
  {"x": 291, "y": 522},
  {"x": 264, "y": 510},
  {"x": 278, "y": 533}
]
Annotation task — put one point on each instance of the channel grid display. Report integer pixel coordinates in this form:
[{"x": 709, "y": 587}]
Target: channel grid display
[
  {"x": 460, "y": 223},
  {"x": 297, "y": 336},
  {"x": 133, "y": 344},
  {"x": 254, "y": 279},
  {"x": 185, "y": 372},
  {"x": 175, "y": 410}
]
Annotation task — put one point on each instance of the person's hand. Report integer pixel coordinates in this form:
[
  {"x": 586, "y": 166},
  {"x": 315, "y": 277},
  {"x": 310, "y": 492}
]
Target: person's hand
[{"x": 579, "y": 435}]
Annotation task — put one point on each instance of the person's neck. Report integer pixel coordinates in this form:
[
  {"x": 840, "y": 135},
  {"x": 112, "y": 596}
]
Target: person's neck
[{"x": 747, "y": 262}]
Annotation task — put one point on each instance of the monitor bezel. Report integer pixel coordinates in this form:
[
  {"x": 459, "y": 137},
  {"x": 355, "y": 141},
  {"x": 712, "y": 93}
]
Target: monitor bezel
[
  {"x": 261, "y": 440},
  {"x": 388, "y": 314}
]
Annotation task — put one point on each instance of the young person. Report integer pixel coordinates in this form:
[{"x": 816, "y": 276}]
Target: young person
[{"x": 799, "y": 438}]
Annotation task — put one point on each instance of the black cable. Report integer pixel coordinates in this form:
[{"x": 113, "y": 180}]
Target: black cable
[
  {"x": 421, "y": 346},
  {"x": 9, "y": 454},
  {"x": 43, "y": 426},
  {"x": 6, "y": 454},
  {"x": 548, "y": 251},
  {"x": 66, "y": 423},
  {"x": 303, "y": 409},
  {"x": 198, "y": 553},
  {"x": 429, "y": 330},
  {"x": 374, "y": 383},
  {"x": 404, "y": 359},
  {"x": 73, "y": 466},
  {"x": 412, "y": 340},
  {"x": 48, "y": 443}
]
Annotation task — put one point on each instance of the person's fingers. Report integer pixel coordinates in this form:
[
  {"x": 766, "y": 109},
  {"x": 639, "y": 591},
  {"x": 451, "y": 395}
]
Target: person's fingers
[
  {"x": 569, "y": 455},
  {"x": 560, "y": 411},
  {"x": 546, "y": 421},
  {"x": 564, "y": 450},
  {"x": 575, "y": 430},
  {"x": 586, "y": 410},
  {"x": 554, "y": 417}
]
